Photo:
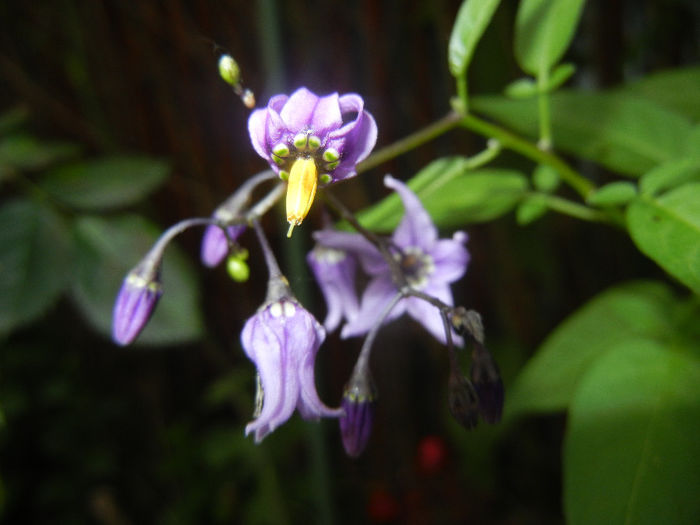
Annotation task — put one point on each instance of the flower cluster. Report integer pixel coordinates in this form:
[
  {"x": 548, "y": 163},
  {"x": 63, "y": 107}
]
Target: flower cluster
[{"x": 311, "y": 141}]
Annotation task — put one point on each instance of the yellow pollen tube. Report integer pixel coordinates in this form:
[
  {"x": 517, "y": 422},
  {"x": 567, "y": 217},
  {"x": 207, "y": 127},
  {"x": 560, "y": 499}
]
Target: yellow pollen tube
[{"x": 301, "y": 190}]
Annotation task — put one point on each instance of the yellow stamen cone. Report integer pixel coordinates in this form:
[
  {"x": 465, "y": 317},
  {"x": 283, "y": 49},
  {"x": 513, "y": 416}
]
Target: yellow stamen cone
[{"x": 301, "y": 190}]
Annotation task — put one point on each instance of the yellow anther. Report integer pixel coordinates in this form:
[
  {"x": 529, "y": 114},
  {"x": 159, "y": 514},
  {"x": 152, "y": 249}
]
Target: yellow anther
[{"x": 301, "y": 190}]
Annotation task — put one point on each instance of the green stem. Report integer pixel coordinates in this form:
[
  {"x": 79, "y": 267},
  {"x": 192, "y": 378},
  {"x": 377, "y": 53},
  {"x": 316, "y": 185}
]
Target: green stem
[
  {"x": 573, "y": 209},
  {"x": 516, "y": 143},
  {"x": 428, "y": 133},
  {"x": 545, "y": 142},
  {"x": 462, "y": 92}
]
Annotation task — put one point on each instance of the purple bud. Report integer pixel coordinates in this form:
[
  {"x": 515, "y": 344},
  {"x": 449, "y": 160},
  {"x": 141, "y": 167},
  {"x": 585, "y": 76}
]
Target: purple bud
[
  {"x": 359, "y": 402},
  {"x": 135, "y": 303},
  {"x": 462, "y": 400},
  {"x": 215, "y": 245},
  {"x": 488, "y": 384}
]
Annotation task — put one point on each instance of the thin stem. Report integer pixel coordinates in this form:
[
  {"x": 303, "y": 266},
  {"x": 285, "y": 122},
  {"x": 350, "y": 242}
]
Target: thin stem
[
  {"x": 462, "y": 92},
  {"x": 267, "y": 202},
  {"x": 410, "y": 142},
  {"x": 270, "y": 260},
  {"x": 363, "y": 358},
  {"x": 231, "y": 207},
  {"x": 545, "y": 142},
  {"x": 574, "y": 209},
  {"x": 516, "y": 143}
]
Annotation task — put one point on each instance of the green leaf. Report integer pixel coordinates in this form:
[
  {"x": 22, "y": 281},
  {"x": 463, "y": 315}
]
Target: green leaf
[
  {"x": 34, "y": 262},
  {"x": 670, "y": 174},
  {"x": 23, "y": 152},
  {"x": 453, "y": 195},
  {"x": 625, "y": 134},
  {"x": 105, "y": 183},
  {"x": 633, "y": 310},
  {"x": 471, "y": 22},
  {"x": 691, "y": 147},
  {"x": 675, "y": 89},
  {"x": 543, "y": 31},
  {"x": 521, "y": 88},
  {"x": 108, "y": 249},
  {"x": 613, "y": 194},
  {"x": 530, "y": 209},
  {"x": 632, "y": 454},
  {"x": 667, "y": 229},
  {"x": 561, "y": 74}
]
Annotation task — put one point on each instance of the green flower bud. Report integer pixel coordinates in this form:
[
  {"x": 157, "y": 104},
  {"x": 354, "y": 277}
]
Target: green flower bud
[
  {"x": 229, "y": 70},
  {"x": 237, "y": 268}
]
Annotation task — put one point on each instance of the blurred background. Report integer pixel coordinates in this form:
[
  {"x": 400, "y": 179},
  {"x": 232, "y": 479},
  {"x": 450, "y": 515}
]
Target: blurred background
[{"x": 94, "y": 433}]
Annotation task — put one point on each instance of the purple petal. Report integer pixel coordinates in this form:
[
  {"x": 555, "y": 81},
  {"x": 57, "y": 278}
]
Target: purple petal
[
  {"x": 429, "y": 316},
  {"x": 257, "y": 128},
  {"x": 356, "y": 425},
  {"x": 355, "y": 140},
  {"x": 370, "y": 258},
  {"x": 299, "y": 109},
  {"x": 326, "y": 116},
  {"x": 377, "y": 296},
  {"x": 450, "y": 258},
  {"x": 334, "y": 271},
  {"x": 416, "y": 227}
]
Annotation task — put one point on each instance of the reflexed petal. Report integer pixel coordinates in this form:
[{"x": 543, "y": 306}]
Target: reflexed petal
[
  {"x": 326, "y": 116},
  {"x": 334, "y": 271},
  {"x": 450, "y": 258},
  {"x": 299, "y": 109},
  {"x": 378, "y": 294},
  {"x": 416, "y": 227},
  {"x": 257, "y": 128},
  {"x": 354, "y": 243}
]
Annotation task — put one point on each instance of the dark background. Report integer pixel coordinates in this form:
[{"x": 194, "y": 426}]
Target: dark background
[{"x": 100, "y": 434}]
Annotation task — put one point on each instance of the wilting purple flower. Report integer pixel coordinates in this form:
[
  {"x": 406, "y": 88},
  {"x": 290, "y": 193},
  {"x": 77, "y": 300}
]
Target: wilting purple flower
[
  {"x": 282, "y": 339},
  {"x": 215, "y": 245},
  {"x": 310, "y": 139},
  {"x": 429, "y": 264},
  {"x": 335, "y": 273},
  {"x": 135, "y": 303}
]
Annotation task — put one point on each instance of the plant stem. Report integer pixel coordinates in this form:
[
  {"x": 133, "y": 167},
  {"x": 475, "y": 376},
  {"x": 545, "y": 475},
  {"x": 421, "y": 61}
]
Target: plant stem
[
  {"x": 545, "y": 142},
  {"x": 574, "y": 209},
  {"x": 428, "y": 133}
]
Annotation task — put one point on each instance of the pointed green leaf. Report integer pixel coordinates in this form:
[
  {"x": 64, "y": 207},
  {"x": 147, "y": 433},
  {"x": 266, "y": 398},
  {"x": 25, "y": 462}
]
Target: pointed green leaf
[
  {"x": 669, "y": 175},
  {"x": 634, "y": 310},
  {"x": 23, "y": 152},
  {"x": 632, "y": 453},
  {"x": 34, "y": 261},
  {"x": 521, "y": 88},
  {"x": 105, "y": 183},
  {"x": 543, "y": 31},
  {"x": 675, "y": 89},
  {"x": 108, "y": 249},
  {"x": 667, "y": 229},
  {"x": 471, "y": 22},
  {"x": 530, "y": 209},
  {"x": 613, "y": 194},
  {"x": 624, "y": 134},
  {"x": 453, "y": 195}
]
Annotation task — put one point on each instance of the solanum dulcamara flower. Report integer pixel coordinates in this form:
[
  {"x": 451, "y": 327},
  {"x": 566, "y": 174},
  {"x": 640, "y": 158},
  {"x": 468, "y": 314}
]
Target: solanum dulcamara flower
[
  {"x": 311, "y": 140},
  {"x": 282, "y": 339},
  {"x": 429, "y": 264}
]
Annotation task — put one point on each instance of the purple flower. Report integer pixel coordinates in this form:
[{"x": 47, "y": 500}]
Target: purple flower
[
  {"x": 359, "y": 401},
  {"x": 282, "y": 339},
  {"x": 335, "y": 273},
  {"x": 135, "y": 303},
  {"x": 215, "y": 245},
  {"x": 309, "y": 139},
  {"x": 430, "y": 265}
]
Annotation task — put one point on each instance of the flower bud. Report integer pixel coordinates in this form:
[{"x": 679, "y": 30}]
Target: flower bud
[
  {"x": 488, "y": 384},
  {"x": 215, "y": 245},
  {"x": 229, "y": 70},
  {"x": 462, "y": 400},
  {"x": 468, "y": 321},
  {"x": 359, "y": 402},
  {"x": 237, "y": 268},
  {"x": 135, "y": 303}
]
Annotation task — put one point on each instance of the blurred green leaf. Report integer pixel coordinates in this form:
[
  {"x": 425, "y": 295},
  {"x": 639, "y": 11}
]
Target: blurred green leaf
[
  {"x": 691, "y": 147},
  {"x": 105, "y": 183},
  {"x": 613, "y": 194},
  {"x": 453, "y": 195},
  {"x": 632, "y": 453},
  {"x": 625, "y": 134},
  {"x": 667, "y": 229},
  {"x": 13, "y": 118},
  {"x": 670, "y": 174},
  {"x": 23, "y": 152},
  {"x": 675, "y": 89},
  {"x": 530, "y": 209},
  {"x": 560, "y": 75},
  {"x": 631, "y": 311},
  {"x": 521, "y": 88},
  {"x": 108, "y": 249},
  {"x": 34, "y": 261},
  {"x": 543, "y": 31},
  {"x": 471, "y": 22}
]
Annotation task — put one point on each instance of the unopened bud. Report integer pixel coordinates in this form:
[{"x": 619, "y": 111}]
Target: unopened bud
[
  {"x": 136, "y": 301},
  {"x": 237, "y": 267},
  {"x": 359, "y": 401},
  {"x": 229, "y": 70},
  {"x": 462, "y": 400},
  {"x": 467, "y": 321}
]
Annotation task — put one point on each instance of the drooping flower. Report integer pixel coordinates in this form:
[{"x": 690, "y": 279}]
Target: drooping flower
[
  {"x": 429, "y": 264},
  {"x": 282, "y": 339},
  {"x": 136, "y": 301},
  {"x": 215, "y": 245},
  {"x": 334, "y": 271},
  {"x": 309, "y": 140}
]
